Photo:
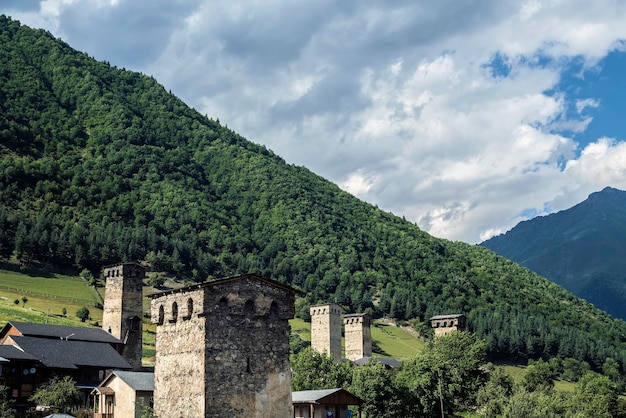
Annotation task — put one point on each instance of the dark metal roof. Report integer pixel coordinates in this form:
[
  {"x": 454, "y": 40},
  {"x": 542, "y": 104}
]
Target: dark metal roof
[
  {"x": 71, "y": 354},
  {"x": 61, "y": 331},
  {"x": 138, "y": 381},
  {"x": 355, "y": 315},
  {"x": 10, "y": 352},
  {"x": 217, "y": 282},
  {"x": 337, "y": 396},
  {"x": 452, "y": 316}
]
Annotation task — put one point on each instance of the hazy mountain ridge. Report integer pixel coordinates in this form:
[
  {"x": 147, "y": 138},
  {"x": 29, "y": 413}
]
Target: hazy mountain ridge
[
  {"x": 582, "y": 248},
  {"x": 100, "y": 165}
]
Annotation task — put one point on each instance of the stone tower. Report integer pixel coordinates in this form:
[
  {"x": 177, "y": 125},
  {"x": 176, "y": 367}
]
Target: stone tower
[
  {"x": 358, "y": 336},
  {"x": 123, "y": 308},
  {"x": 222, "y": 349},
  {"x": 445, "y": 324},
  {"x": 326, "y": 329}
]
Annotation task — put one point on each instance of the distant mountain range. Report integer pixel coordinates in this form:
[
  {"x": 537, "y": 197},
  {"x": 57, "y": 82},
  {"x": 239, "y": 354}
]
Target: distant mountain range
[{"x": 582, "y": 248}]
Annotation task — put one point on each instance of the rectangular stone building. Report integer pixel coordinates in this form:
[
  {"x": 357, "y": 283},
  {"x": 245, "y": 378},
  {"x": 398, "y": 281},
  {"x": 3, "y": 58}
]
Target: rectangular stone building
[
  {"x": 445, "y": 324},
  {"x": 326, "y": 329},
  {"x": 358, "y": 336},
  {"x": 222, "y": 349}
]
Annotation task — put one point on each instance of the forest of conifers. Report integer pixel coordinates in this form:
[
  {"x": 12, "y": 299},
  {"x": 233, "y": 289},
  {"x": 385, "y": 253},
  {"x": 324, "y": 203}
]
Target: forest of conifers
[{"x": 100, "y": 165}]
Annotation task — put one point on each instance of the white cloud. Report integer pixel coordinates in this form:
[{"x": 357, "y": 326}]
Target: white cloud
[{"x": 449, "y": 113}]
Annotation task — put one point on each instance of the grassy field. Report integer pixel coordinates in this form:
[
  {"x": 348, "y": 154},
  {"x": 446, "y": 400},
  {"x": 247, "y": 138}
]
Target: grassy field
[
  {"x": 517, "y": 372},
  {"x": 47, "y": 297}
]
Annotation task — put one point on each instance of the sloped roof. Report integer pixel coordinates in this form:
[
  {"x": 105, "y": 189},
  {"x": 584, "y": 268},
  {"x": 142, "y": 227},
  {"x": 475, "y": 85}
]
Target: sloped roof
[
  {"x": 217, "y": 282},
  {"x": 336, "y": 396},
  {"x": 10, "y": 352},
  {"x": 138, "y": 381},
  {"x": 61, "y": 331},
  {"x": 71, "y": 354},
  {"x": 452, "y": 316}
]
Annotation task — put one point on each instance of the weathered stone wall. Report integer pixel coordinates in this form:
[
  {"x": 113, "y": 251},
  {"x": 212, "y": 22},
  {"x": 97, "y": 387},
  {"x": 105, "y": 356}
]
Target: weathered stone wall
[
  {"x": 232, "y": 355},
  {"x": 123, "y": 307},
  {"x": 326, "y": 329},
  {"x": 179, "y": 366},
  {"x": 358, "y": 336}
]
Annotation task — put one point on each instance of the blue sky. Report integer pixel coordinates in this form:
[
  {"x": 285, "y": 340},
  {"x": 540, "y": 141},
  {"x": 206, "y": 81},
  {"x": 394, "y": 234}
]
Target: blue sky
[{"x": 464, "y": 117}]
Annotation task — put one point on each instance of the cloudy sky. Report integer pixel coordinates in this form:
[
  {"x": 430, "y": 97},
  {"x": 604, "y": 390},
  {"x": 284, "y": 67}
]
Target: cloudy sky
[{"x": 466, "y": 116}]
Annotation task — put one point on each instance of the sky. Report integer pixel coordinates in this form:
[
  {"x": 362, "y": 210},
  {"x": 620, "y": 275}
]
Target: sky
[{"x": 465, "y": 117}]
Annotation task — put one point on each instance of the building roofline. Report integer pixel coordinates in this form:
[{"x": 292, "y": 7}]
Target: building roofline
[
  {"x": 446, "y": 316},
  {"x": 123, "y": 263},
  {"x": 356, "y": 315}
]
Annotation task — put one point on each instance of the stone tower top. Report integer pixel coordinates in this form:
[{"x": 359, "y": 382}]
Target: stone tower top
[
  {"x": 445, "y": 324},
  {"x": 326, "y": 329},
  {"x": 358, "y": 336},
  {"x": 123, "y": 308}
]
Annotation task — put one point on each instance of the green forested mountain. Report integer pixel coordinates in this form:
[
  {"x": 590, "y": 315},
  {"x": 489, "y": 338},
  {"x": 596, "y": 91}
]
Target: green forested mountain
[
  {"x": 582, "y": 248},
  {"x": 99, "y": 165}
]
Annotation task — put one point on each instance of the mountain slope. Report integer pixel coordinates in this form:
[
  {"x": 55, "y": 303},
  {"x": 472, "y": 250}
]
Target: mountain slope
[
  {"x": 582, "y": 248},
  {"x": 99, "y": 165}
]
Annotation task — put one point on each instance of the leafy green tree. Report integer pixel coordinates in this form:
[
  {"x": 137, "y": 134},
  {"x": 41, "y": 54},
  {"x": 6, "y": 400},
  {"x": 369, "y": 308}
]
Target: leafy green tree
[
  {"x": 88, "y": 277},
  {"x": 539, "y": 376},
  {"x": 611, "y": 369},
  {"x": 596, "y": 396},
  {"x": 494, "y": 396},
  {"x": 538, "y": 404},
  {"x": 156, "y": 280},
  {"x": 376, "y": 385},
  {"x": 573, "y": 369},
  {"x": 5, "y": 404},
  {"x": 312, "y": 370},
  {"x": 296, "y": 343},
  {"x": 146, "y": 411},
  {"x": 62, "y": 394},
  {"x": 448, "y": 371},
  {"x": 82, "y": 314}
]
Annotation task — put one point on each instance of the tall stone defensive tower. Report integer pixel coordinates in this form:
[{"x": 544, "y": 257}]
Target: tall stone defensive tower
[
  {"x": 358, "y": 336},
  {"x": 326, "y": 329},
  {"x": 123, "y": 308},
  {"x": 222, "y": 349}
]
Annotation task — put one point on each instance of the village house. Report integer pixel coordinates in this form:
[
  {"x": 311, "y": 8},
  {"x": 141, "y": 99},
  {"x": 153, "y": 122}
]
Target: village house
[
  {"x": 326, "y": 403},
  {"x": 123, "y": 394},
  {"x": 37, "y": 353}
]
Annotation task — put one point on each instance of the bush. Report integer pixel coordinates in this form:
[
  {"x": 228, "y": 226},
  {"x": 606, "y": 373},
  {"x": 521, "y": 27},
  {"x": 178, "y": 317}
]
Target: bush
[{"x": 82, "y": 314}]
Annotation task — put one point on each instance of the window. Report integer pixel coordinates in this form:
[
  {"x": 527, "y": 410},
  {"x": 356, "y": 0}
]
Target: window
[
  {"x": 189, "y": 309},
  {"x": 248, "y": 307},
  {"x": 161, "y": 315},
  {"x": 174, "y": 312}
]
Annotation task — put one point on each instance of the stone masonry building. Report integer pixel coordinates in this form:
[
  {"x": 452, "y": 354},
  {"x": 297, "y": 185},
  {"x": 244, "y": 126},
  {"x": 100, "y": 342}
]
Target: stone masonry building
[
  {"x": 123, "y": 308},
  {"x": 222, "y": 349},
  {"x": 358, "y": 336},
  {"x": 445, "y": 324},
  {"x": 326, "y": 329}
]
